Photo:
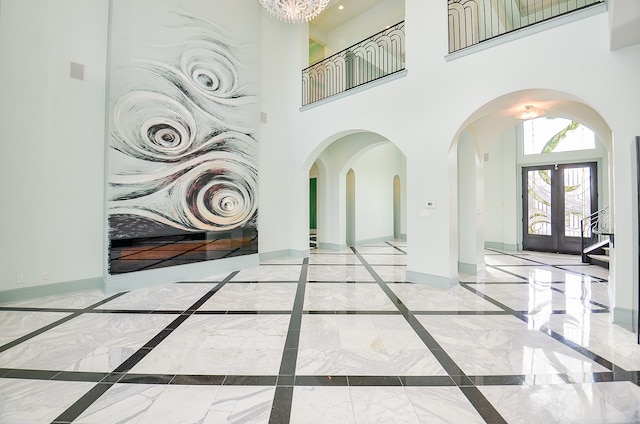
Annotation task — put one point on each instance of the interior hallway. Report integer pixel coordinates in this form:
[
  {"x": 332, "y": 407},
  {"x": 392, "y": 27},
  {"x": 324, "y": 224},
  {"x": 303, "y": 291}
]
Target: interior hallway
[{"x": 335, "y": 338}]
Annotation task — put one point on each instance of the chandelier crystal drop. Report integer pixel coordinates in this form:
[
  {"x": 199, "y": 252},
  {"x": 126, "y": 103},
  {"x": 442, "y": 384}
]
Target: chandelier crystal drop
[{"x": 294, "y": 11}]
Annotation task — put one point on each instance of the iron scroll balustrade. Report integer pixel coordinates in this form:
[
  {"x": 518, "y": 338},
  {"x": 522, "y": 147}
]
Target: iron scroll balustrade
[
  {"x": 594, "y": 228},
  {"x": 474, "y": 21},
  {"x": 378, "y": 56}
]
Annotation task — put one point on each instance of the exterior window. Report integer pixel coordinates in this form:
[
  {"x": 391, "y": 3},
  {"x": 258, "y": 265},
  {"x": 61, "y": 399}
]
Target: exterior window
[{"x": 551, "y": 135}]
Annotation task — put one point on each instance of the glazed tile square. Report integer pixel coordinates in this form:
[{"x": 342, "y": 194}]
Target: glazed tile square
[
  {"x": 90, "y": 342},
  {"x": 608, "y": 402},
  {"x": 338, "y": 273},
  {"x": 178, "y": 297},
  {"x": 424, "y": 298},
  {"x": 220, "y": 345},
  {"x": 37, "y": 401},
  {"x": 15, "y": 324},
  {"x": 150, "y": 404},
  {"x": 345, "y": 296},
  {"x": 252, "y": 297}
]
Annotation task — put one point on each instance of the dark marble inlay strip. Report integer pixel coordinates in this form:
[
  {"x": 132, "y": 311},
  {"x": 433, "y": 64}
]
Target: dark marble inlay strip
[
  {"x": 250, "y": 380},
  {"x": 513, "y": 274},
  {"x": 134, "y": 311},
  {"x": 584, "y": 274},
  {"x": 33, "y": 309},
  {"x": 120, "y": 374},
  {"x": 396, "y": 247},
  {"x": 491, "y": 300},
  {"x": 499, "y": 283},
  {"x": 38, "y": 332},
  {"x": 339, "y": 312},
  {"x": 576, "y": 347},
  {"x": 477, "y": 399},
  {"x": 593, "y": 302},
  {"x": 558, "y": 266},
  {"x": 461, "y": 313},
  {"x": 482, "y": 405},
  {"x": 198, "y": 380},
  {"x": 415, "y": 381},
  {"x": 81, "y": 405},
  {"x": 270, "y": 312},
  {"x": 283, "y": 398},
  {"x": 321, "y": 380},
  {"x": 498, "y": 380},
  {"x": 313, "y": 282},
  {"x": 367, "y": 380},
  {"x": 56, "y": 323},
  {"x": 281, "y": 408}
]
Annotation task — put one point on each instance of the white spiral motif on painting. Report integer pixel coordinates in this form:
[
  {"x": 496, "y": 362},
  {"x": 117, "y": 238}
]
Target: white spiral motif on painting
[
  {"x": 211, "y": 73},
  {"x": 152, "y": 126},
  {"x": 218, "y": 194},
  {"x": 212, "y": 192}
]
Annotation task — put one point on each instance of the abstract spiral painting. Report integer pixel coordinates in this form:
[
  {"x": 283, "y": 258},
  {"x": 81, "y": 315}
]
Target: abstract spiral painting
[{"x": 183, "y": 177}]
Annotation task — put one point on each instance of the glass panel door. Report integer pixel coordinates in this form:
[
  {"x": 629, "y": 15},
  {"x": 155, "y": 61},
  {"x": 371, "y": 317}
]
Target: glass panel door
[
  {"x": 539, "y": 204},
  {"x": 577, "y": 198},
  {"x": 579, "y": 201},
  {"x": 557, "y": 198}
]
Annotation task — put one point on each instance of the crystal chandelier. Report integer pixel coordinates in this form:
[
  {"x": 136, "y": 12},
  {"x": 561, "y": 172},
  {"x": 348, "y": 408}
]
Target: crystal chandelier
[{"x": 294, "y": 11}]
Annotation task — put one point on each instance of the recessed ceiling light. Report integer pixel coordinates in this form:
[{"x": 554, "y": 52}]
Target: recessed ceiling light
[{"x": 340, "y": 7}]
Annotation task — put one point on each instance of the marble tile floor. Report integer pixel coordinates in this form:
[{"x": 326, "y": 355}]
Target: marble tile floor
[{"x": 339, "y": 337}]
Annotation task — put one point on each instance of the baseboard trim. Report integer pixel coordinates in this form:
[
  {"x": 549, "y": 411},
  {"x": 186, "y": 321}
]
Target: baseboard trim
[
  {"x": 34, "y": 292},
  {"x": 332, "y": 246},
  {"x": 191, "y": 272},
  {"x": 374, "y": 240},
  {"x": 501, "y": 246},
  {"x": 625, "y": 318},
  {"x": 465, "y": 268},
  {"x": 432, "y": 280},
  {"x": 287, "y": 253}
]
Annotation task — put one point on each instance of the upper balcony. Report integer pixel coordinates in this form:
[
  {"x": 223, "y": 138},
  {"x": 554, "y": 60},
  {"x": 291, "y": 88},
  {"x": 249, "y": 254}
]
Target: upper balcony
[
  {"x": 376, "y": 57},
  {"x": 471, "y": 23}
]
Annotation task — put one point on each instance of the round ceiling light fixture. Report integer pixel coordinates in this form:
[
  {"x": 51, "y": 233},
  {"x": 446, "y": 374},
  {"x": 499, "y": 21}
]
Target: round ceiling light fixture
[{"x": 294, "y": 11}]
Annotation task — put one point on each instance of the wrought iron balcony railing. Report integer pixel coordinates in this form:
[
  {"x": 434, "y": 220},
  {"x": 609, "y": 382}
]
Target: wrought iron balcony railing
[
  {"x": 474, "y": 21},
  {"x": 378, "y": 56}
]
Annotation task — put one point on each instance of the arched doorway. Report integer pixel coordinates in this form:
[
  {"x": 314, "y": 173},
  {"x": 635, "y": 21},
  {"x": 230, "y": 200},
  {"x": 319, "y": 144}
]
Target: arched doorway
[
  {"x": 495, "y": 132},
  {"x": 353, "y": 211}
]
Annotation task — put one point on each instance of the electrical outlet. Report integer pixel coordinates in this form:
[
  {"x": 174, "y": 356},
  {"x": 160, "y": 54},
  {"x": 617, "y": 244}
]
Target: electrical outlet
[
  {"x": 20, "y": 279},
  {"x": 45, "y": 275}
]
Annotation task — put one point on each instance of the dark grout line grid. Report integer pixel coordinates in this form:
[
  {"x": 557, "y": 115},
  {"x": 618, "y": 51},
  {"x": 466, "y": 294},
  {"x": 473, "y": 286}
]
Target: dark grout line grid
[{"x": 352, "y": 300}]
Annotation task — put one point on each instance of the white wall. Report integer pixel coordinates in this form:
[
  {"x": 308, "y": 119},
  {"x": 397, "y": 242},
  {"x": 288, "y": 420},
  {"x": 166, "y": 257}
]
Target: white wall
[
  {"x": 470, "y": 207},
  {"x": 374, "y": 171},
  {"x": 52, "y": 167},
  {"x": 500, "y": 194}
]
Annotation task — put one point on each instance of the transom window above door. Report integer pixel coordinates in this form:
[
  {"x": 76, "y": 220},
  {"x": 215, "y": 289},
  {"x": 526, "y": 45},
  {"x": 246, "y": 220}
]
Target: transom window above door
[{"x": 551, "y": 135}]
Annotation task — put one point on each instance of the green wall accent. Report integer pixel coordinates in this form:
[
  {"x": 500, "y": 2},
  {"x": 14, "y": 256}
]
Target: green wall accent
[{"x": 313, "y": 203}]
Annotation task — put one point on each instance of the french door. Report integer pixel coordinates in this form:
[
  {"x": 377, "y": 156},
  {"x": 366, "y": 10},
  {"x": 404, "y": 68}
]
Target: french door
[{"x": 555, "y": 199}]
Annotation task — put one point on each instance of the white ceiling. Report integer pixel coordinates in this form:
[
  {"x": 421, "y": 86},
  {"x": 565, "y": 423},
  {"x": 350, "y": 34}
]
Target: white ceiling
[{"x": 333, "y": 17}]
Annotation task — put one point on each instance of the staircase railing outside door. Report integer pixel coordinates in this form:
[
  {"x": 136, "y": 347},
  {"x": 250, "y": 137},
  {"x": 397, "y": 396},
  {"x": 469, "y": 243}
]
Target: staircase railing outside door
[{"x": 594, "y": 229}]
